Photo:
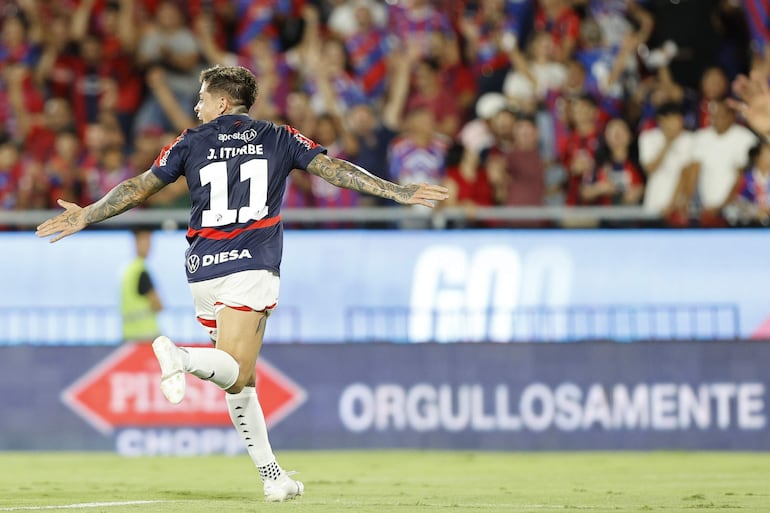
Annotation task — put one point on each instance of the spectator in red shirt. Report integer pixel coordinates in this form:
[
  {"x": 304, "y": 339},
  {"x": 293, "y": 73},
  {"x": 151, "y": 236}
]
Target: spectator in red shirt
[
  {"x": 429, "y": 93},
  {"x": 468, "y": 183},
  {"x": 581, "y": 145},
  {"x": 456, "y": 75},
  {"x": 524, "y": 183}
]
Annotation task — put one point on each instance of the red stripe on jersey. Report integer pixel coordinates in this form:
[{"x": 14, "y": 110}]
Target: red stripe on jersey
[{"x": 212, "y": 233}]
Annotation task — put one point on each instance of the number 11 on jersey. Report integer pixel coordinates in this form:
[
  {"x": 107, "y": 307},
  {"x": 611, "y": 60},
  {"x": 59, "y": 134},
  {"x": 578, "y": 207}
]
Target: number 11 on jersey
[{"x": 255, "y": 172}]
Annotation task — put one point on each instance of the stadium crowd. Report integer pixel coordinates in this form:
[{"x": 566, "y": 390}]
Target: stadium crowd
[{"x": 507, "y": 102}]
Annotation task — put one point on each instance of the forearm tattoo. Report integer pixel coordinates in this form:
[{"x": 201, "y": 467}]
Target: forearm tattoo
[
  {"x": 124, "y": 196},
  {"x": 344, "y": 174}
]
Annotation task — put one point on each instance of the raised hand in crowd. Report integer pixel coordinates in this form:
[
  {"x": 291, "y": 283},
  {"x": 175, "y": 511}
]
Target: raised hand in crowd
[{"x": 753, "y": 101}]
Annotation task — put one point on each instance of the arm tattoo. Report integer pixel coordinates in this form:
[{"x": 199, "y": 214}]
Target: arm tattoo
[
  {"x": 124, "y": 196},
  {"x": 344, "y": 174}
]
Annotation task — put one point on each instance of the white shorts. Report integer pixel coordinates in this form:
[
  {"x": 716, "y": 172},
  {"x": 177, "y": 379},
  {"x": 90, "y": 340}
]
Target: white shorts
[{"x": 245, "y": 290}]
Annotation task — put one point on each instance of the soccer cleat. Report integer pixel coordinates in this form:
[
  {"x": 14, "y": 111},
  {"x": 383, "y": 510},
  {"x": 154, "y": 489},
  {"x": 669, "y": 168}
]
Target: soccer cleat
[
  {"x": 282, "y": 488},
  {"x": 172, "y": 381}
]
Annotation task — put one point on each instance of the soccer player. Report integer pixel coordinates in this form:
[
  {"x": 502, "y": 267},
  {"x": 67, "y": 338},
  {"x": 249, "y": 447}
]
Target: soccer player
[{"x": 236, "y": 169}]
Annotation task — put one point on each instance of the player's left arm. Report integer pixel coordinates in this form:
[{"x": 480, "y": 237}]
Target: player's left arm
[
  {"x": 124, "y": 196},
  {"x": 349, "y": 176}
]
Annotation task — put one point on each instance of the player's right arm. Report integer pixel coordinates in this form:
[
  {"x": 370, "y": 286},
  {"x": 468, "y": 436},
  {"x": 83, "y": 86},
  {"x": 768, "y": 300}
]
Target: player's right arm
[{"x": 124, "y": 196}]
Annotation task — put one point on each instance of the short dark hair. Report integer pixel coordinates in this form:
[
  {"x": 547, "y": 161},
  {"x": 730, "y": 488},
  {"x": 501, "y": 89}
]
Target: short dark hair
[{"x": 236, "y": 82}]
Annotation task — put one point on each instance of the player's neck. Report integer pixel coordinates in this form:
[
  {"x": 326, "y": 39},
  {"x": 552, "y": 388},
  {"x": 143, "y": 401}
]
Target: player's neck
[{"x": 234, "y": 111}]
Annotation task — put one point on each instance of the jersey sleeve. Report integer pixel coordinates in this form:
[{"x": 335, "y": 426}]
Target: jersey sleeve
[
  {"x": 169, "y": 165},
  {"x": 301, "y": 149}
]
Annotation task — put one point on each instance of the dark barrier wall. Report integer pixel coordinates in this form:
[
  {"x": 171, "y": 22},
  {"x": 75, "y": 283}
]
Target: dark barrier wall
[{"x": 674, "y": 395}]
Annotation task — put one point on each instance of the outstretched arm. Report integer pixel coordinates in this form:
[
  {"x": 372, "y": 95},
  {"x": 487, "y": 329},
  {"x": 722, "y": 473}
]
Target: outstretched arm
[
  {"x": 349, "y": 176},
  {"x": 124, "y": 196}
]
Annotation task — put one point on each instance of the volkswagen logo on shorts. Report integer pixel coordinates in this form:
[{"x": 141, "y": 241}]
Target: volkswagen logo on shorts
[{"x": 193, "y": 262}]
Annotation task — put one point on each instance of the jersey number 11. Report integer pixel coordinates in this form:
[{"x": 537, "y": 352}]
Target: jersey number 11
[{"x": 218, "y": 214}]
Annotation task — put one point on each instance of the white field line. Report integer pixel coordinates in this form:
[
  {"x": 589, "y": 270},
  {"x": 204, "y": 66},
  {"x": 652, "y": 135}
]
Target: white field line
[{"x": 81, "y": 505}]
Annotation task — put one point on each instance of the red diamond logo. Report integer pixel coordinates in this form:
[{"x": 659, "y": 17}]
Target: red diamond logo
[{"x": 123, "y": 391}]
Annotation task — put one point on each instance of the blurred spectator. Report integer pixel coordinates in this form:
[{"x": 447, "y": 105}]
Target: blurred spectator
[
  {"x": 457, "y": 76},
  {"x": 664, "y": 153},
  {"x": 261, "y": 17},
  {"x": 16, "y": 45},
  {"x": 169, "y": 45},
  {"x": 418, "y": 154},
  {"x": 661, "y": 89},
  {"x": 110, "y": 170},
  {"x": 105, "y": 75},
  {"x": 758, "y": 17},
  {"x": 752, "y": 202},
  {"x": 374, "y": 135},
  {"x": 22, "y": 105},
  {"x": 720, "y": 153},
  {"x": 534, "y": 73},
  {"x": 579, "y": 148},
  {"x": 65, "y": 176},
  {"x": 11, "y": 172},
  {"x": 343, "y": 19},
  {"x": 44, "y": 127},
  {"x": 713, "y": 87},
  {"x": 501, "y": 127},
  {"x": 522, "y": 181},
  {"x": 619, "y": 19},
  {"x": 559, "y": 19},
  {"x": 468, "y": 183},
  {"x": 323, "y": 66},
  {"x": 490, "y": 33},
  {"x": 616, "y": 179},
  {"x": 428, "y": 93},
  {"x": 368, "y": 48},
  {"x": 477, "y": 134},
  {"x": 299, "y": 114},
  {"x": 413, "y": 22},
  {"x": 609, "y": 68}
]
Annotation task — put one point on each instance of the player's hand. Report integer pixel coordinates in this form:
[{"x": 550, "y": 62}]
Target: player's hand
[
  {"x": 72, "y": 220},
  {"x": 423, "y": 194},
  {"x": 753, "y": 101}
]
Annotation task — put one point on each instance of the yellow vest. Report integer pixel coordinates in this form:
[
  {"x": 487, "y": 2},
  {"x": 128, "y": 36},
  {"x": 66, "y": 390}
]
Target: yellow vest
[{"x": 139, "y": 320}]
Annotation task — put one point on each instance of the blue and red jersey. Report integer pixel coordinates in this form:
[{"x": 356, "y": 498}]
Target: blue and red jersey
[{"x": 236, "y": 170}]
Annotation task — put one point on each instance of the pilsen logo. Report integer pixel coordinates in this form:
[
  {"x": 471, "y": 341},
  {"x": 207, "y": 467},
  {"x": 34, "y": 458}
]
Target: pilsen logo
[{"x": 123, "y": 391}]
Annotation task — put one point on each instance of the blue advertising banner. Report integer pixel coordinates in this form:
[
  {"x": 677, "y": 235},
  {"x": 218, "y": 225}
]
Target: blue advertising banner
[
  {"x": 600, "y": 395},
  {"x": 414, "y": 286}
]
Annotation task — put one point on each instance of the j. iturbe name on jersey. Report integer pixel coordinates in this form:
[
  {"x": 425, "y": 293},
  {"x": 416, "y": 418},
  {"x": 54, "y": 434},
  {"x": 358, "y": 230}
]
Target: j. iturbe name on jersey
[{"x": 236, "y": 170}]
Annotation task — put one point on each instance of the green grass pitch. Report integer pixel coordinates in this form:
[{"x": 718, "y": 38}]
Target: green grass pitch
[{"x": 392, "y": 481}]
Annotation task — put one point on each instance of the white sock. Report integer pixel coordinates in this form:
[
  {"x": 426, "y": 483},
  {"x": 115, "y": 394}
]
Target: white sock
[
  {"x": 211, "y": 364},
  {"x": 249, "y": 421}
]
